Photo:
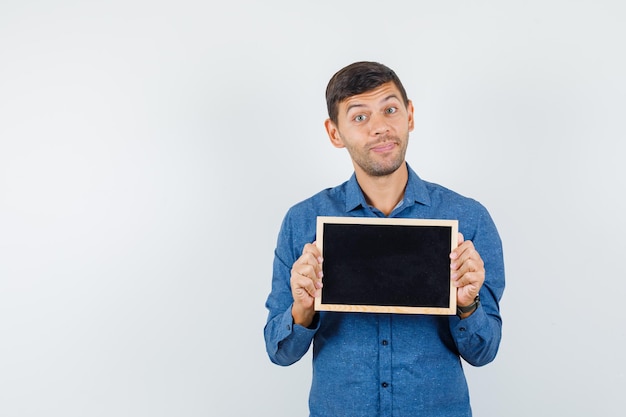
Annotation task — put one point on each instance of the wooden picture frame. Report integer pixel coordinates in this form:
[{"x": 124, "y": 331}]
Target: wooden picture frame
[{"x": 367, "y": 265}]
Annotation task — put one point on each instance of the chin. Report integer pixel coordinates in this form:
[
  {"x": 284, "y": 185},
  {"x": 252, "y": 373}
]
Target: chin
[{"x": 383, "y": 171}]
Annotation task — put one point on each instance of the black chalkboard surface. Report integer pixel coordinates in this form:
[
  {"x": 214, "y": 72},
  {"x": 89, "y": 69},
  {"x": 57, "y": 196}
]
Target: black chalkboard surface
[{"x": 386, "y": 265}]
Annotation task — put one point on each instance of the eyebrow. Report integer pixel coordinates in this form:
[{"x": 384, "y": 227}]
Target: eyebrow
[{"x": 356, "y": 105}]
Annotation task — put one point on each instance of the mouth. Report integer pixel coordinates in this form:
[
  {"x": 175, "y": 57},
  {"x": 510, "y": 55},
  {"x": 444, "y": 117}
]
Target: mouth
[{"x": 384, "y": 147}]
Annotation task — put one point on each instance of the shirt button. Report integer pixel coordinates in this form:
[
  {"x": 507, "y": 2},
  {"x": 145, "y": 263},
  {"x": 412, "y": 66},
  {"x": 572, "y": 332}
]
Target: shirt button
[
  {"x": 384, "y": 342},
  {"x": 384, "y": 385},
  {"x": 288, "y": 327},
  {"x": 462, "y": 329}
]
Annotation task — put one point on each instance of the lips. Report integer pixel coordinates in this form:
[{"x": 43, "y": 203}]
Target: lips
[{"x": 384, "y": 147}]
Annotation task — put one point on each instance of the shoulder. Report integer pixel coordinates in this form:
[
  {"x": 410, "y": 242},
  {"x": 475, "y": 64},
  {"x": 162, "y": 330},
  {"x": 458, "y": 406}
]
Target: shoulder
[
  {"x": 300, "y": 221},
  {"x": 440, "y": 199},
  {"x": 325, "y": 202},
  {"x": 441, "y": 195},
  {"x": 474, "y": 218}
]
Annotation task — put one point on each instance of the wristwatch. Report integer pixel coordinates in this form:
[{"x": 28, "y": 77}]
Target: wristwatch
[{"x": 468, "y": 309}]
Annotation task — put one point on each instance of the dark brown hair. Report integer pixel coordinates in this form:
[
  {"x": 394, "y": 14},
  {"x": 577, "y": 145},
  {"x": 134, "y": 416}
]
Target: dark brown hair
[{"x": 358, "y": 78}]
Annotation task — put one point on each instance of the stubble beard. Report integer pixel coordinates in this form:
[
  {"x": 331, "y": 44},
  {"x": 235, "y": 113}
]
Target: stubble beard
[{"x": 380, "y": 168}]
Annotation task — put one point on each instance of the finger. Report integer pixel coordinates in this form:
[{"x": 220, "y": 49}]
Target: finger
[
  {"x": 310, "y": 256},
  {"x": 308, "y": 267},
  {"x": 468, "y": 267},
  {"x": 467, "y": 278},
  {"x": 306, "y": 274},
  {"x": 459, "y": 247},
  {"x": 313, "y": 250},
  {"x": 467, "y": 294},
  {"x": 307, "y": 270},
  {"x": 469, "y": 274},
  {"x": 462, "y": 253},
  {"x": 303, "y": 287},
  {"x": 306, "y": 277}
]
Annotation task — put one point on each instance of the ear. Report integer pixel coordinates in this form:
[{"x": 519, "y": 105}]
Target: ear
[
  {"x": 333, "y": 134},
  {"x": 409, "y": 110}
]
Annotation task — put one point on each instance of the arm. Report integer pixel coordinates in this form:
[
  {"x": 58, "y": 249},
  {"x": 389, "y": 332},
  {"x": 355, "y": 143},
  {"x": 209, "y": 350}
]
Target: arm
[
  {"x": 291, "y": 322},
  {"x": 477, "y": 267},
  {"x": 306, "y": 281}
]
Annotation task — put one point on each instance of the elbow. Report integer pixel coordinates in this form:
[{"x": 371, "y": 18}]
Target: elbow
[
  {"x": 280, "y": 357},
  {"x": 483, "y": 351},
  {"x": 483, "y": 358}
]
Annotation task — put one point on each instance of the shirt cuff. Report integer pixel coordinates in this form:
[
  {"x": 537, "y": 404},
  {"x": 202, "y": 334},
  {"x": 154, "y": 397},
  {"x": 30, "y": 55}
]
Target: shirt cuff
[
  {"x": 462, "y": 328},
  {"x": 295, "y": 331}
]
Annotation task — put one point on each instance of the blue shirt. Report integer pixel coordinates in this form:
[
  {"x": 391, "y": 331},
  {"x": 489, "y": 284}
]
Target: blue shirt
[{"x": 372, "y": 364}]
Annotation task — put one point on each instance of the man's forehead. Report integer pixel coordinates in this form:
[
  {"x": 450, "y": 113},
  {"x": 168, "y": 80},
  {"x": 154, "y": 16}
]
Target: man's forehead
[{"x": 379, "y": 94}]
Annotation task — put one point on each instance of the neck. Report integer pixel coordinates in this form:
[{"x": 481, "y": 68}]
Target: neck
[{"x": 384, "y": 192}]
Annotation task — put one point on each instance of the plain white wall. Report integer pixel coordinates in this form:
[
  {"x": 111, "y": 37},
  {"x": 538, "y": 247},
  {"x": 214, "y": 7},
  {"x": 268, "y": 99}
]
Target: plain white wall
[{"x": 149, "y": 150}]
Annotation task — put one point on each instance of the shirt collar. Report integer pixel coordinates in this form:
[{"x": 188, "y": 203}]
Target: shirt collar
[{"x": 415, "y": 192}]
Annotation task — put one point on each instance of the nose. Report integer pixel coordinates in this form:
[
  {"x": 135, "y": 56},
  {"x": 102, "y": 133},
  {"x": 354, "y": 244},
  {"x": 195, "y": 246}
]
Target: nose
[{"x": 378, "y": 125}]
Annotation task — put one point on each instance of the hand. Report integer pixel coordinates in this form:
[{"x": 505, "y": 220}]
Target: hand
[
  {"x": 306, "y": 281},
  {"x": 467, "y": 271}
]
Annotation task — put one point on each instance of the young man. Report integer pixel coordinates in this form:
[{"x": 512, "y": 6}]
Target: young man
[{"x": 370, "y": 364}]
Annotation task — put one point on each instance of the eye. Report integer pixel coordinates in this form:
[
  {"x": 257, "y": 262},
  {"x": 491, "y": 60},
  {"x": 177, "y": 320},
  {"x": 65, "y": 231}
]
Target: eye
[
  {"x": 391, "y": 110},
  {"x": 360, "y": 118}
]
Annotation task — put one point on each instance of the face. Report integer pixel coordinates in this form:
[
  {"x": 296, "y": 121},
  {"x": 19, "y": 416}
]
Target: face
[{"x": 374, "y": 127}]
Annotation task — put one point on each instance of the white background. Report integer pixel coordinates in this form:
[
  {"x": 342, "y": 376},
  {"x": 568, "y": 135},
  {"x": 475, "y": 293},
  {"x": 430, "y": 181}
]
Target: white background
[{"x": 149, "y": 150}]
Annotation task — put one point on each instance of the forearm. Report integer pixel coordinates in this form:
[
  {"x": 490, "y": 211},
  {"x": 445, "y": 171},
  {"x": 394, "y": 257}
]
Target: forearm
[
  {"x": 478, "y": 336},
  {"x": 302, "y": 316},
  {"x": 285, "y": 341}
]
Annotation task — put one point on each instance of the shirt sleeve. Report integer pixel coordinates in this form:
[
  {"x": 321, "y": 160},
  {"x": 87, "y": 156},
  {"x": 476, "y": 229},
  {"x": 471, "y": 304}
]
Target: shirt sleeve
[
  {"x": 285, "y": 342},
  {"x": 478, "y": 336}
]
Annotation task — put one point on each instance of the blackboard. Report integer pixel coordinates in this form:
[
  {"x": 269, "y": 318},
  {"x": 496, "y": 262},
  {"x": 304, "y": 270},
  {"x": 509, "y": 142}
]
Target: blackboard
[{"x": 386, "y": 265}]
